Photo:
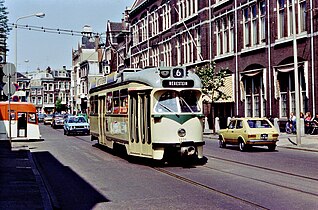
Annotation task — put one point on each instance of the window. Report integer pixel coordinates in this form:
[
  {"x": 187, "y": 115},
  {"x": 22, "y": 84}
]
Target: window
[
  {"x": 246, "y": 27},
  {"x": 239, "y": 124},
  {"x": 254, "y": 95},
  {"x": 262, "y": 9},
  {"x": 232, "y": 124},
  {"x": 167, "y": 54},
  {"x": 302, "y": 15},
  {"x": 109, "y": 105},
  {"x": 218, "y": 38},
  {"x": 281, "y": 18},
  {"x": 154, "y": 23},
  {"x": 167, "y": 102},
  {"x": 232, "y": 34},
  {"x": 116, "y": 102},
  {"x": 39, "y": 101},
  {"x": 172, "y": 101},
  {"x": 187, "y": 8},
  {"x": 155, "y": 56},
  {"x": 32, "y": 118},
  {"x": 189, "y": 101},
  {"x": 124, "y": 101},
  {"x": 225, "y": 35},
  {"x": 254, "y": 25},
  {"x": 166, "y": 16}
]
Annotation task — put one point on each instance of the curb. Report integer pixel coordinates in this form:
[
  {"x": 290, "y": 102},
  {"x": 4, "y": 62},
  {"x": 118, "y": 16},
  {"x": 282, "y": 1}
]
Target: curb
[{"x": 43, "y": 190}]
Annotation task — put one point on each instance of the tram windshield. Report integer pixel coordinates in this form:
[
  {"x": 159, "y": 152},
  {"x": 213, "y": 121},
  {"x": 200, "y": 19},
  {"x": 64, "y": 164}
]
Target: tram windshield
[{"x": 185, "y": 101}]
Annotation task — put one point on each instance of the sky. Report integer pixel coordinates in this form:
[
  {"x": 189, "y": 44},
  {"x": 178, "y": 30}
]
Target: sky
[{"x": 42, "y": 49}]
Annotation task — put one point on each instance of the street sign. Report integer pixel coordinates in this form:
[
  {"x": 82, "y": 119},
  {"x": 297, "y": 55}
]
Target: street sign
[
  {"x": 9, "y": 69},
  {"x": 6, "y": 90}
]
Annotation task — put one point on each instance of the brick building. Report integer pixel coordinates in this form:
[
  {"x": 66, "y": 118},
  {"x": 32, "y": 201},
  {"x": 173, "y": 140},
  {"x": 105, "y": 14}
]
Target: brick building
[{"x": 253, "y": 39}]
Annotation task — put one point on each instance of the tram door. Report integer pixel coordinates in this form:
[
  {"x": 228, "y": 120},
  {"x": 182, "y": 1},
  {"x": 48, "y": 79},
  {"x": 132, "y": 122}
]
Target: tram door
[
  {"x": 22, "y": 124},
  {"x": 140, "y": 138},
  {"x": 101, "y": 119}
]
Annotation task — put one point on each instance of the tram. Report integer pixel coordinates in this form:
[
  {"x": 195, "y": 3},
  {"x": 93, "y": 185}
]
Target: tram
[
  {"x": 24, "y": 122},
  {"x": 153, "y": 112}
]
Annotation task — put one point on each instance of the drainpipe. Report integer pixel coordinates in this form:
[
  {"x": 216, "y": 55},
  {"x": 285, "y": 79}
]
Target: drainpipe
[
  {"x": 312, "y": 58},
  {"x": 269, "y": 59},
  {"x": 236, "y": 59}
]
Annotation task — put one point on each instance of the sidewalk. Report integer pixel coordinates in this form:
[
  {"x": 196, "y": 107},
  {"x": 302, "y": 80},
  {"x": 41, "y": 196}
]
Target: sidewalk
[
  {"x": 21, "y": 186},
  {"x": 307, "y": 142}
]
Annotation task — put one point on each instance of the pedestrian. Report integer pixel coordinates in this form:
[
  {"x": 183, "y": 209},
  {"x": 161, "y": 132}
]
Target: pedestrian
[{"x": 308, "y": 121}]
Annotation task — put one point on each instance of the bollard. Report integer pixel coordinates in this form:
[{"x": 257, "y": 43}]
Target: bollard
[
  {"x": 276, "y": 124},
  {"x": 217, "y": 125},
  {"x": 302, "y": 127}
]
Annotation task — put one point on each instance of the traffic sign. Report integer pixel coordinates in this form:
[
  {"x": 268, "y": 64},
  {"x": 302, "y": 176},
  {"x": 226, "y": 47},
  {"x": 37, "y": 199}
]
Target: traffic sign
[
  {"x": 6, "y": 90},
  {"x": 9, "y": 69}
]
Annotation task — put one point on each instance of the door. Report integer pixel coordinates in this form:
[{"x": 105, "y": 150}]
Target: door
[
  {"x": 101, "y": 119},
  {"x": 22, "y": 124},
  {"x": 140, "y": 136}
]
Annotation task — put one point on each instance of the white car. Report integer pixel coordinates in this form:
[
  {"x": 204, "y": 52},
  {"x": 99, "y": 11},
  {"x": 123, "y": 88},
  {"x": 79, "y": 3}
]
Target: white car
[{"x": 76, "y": 125}]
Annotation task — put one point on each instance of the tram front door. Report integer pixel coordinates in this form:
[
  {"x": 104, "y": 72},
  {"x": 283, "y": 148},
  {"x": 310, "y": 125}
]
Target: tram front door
[
  {"x": 140, "y": 136},
  {"x": 22, "y": 124}
]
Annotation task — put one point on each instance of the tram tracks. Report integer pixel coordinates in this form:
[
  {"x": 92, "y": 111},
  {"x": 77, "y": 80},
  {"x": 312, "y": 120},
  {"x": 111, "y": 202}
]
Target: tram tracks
[
  {"x": 293, "y": 180},
  {"x": 206, "y": 187}
]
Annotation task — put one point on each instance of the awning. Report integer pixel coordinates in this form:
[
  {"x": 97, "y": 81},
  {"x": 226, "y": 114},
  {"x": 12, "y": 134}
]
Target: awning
[{"x": 20, "y": 93}]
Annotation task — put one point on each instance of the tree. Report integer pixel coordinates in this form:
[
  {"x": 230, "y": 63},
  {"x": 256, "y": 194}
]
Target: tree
[
  {"x": 4, "y": 28},
  {"x": 212, "y": 84},
  {"x": 59, "y": 106},
  {"x": 212, "y": 81}
]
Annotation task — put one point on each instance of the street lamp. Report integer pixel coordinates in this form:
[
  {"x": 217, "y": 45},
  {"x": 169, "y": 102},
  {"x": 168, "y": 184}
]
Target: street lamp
[{"x": 39, "y": 15}]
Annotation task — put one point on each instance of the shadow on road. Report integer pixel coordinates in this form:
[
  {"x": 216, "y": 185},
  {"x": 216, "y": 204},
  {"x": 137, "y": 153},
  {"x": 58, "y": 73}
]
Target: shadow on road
[{"x": 67, "y": 189}]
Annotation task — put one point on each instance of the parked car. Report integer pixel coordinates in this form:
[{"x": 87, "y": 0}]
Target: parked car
[
  {"x": 76, "y": 125},
  {"x": 248, "y": 132},
  {"x": 41, "y": 117},
  {"x": 57, "y": 121},
  {"x": 48, "y": 119}
]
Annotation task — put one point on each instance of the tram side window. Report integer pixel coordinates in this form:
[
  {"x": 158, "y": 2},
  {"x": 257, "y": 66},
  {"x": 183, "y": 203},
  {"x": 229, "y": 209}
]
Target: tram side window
[
  {"x": 167, "y": 102},
  {"x": 116, "y": 102},
  {"x": 94, "y": 105},
  {"x": 109, "y": 102},
  {"x": 123, "y": 101},
  {"x": 32, "y": 118},
  {"x": 189, "y": 101},
  {"x": 12, "y": 115}
]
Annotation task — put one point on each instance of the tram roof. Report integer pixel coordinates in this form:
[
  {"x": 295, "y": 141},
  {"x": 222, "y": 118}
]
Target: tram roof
[{"x": 156, "y": 77}]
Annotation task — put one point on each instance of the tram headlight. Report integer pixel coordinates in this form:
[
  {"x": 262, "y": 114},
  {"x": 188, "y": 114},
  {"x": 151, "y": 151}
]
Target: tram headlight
[{"x": 182, "y": 132}]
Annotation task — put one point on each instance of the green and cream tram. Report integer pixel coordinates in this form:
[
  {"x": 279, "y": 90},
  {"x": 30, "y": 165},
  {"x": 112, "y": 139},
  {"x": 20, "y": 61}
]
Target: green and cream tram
[{"x": 153, "y": 112}]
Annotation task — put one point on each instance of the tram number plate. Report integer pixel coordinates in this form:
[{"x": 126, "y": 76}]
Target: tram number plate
[{"x": 264, "y": 136}]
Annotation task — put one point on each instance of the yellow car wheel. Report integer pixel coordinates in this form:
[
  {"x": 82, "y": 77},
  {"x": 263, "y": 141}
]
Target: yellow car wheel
[{"x": 242, "y": 146}]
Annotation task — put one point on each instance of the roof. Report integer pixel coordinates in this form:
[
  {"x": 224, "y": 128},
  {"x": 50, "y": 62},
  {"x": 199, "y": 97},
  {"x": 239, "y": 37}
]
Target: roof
[
  {"x": 137, "y": 3},
  {"x": 115, "y": 26}
]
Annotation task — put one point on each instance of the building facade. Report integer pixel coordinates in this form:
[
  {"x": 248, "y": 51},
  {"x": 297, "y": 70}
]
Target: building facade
[
  {"x": 255, "y": 40},
  {"x": 86, "y": 70}
]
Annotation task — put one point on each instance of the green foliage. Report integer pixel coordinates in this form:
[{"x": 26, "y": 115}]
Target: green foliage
[
  {"x": 4, "y": 28},
  {"x": 58, "y": 105},
  {"x": 212, "y": 81}
]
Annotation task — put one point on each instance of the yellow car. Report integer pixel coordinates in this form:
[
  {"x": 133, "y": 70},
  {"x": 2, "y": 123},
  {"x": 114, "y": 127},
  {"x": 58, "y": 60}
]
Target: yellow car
[{"x": 248, "y": 132}]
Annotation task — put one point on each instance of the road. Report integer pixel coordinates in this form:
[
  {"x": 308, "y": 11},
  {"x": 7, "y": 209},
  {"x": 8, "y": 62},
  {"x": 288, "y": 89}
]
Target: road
[{"x": 81, "y": 175}]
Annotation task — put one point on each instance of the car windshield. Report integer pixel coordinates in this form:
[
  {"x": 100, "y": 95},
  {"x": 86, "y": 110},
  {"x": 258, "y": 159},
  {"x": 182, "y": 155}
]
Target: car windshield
[
  {"x": 258, "y": 124},
  {"x": 77, "y": 120},
  {"x": 180, "y": 102}
]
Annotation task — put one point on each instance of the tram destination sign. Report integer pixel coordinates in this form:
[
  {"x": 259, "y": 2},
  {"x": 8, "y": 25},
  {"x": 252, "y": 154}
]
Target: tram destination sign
[{"x": 178, "y": 83}]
